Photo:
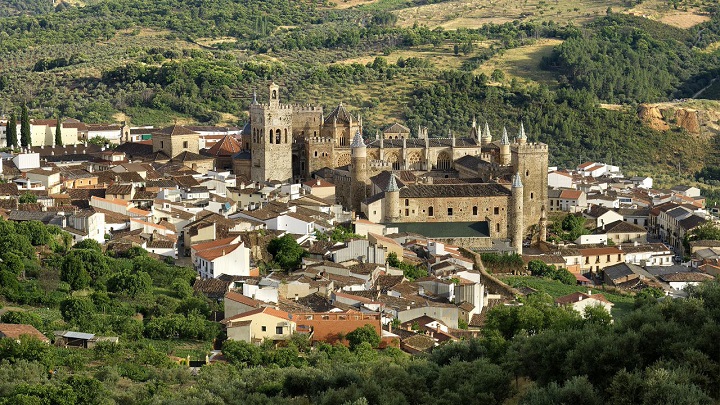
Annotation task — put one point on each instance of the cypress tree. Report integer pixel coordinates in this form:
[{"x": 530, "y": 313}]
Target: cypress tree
[
  {"x": 25, "y": 140},
  {"x": 12, "y": 132},
  {"x": 58, "y": 134}
]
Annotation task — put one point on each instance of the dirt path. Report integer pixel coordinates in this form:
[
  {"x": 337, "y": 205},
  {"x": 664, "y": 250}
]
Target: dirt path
[{"x": 696, "y": 95}]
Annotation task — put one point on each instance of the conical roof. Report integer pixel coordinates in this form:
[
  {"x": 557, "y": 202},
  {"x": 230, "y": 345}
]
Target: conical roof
[
  {"x": 392, "y": 184},
  {"x": 521, "y": 134},
  {"x": 516, "y": 181},
  {"x": 357, "y": 141},
  {"x": 505, "y": 140},
  {"x": 486, "y": 131}
]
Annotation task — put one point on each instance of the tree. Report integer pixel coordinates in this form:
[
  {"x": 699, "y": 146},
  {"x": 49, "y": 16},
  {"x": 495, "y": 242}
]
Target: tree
[
  {"x": 286, "y": 252},
  {"x": 25, "y": 140},
  {"x": 58, "y": 132},
  {"x": 596, "y": 314},
  {"x": 75, "y": 309},
  {"x": 27, "y": 198},
  {"x": 363, "y": 334},
  {"x": 12, "y": 140},
  {"x": 242, "y": 353},
  {"x": 72, "y": 271},
  {"x": 706, "y": 231},
  {"x": 88, "y": 244}
]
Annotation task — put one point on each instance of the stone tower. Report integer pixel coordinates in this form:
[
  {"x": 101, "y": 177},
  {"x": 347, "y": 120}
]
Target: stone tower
[
  {"x": 358, "y": 172},
  {"x": 530, "y": 160},
  {"x": 516, "y": 220},
  {"x": 505, "y": 158},
  {"x": 271, "y": 134},
  {"x": 486, "y": 137},
  {"x": 392, "y": 201}
]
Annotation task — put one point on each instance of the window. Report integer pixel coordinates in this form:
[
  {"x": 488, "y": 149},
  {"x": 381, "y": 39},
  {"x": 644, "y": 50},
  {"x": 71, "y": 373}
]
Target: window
[
  {"x": 185, "y": 144},
  {"x": 532, "y": 195},
  {"x": 407, "y": 202},
  {"x": 497, "y": 228},
  {"x": 431, "y": 211},
  {"x": 496, "y": 210},
  {"x": 278, "y": 330},
  {"x": 450, "y": 211},
  {"x": 608, "y": 258},
  {"x": 162, "y": 145},
  {"x": 263, "y": 328},
  {"x": 475, "y": 211},
  {"x": 407, "y": 212},
  {"x": 315, "y": 153}
]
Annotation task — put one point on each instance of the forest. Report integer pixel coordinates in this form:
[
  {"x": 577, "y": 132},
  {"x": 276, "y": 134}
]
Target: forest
[{"x": 662, "y": 351}]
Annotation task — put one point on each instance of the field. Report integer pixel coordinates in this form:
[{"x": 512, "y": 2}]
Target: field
[
  {"x": 472, "y": 13},
  {"x": 622, "y": 303},
  {"x": 522, "y": 63}
]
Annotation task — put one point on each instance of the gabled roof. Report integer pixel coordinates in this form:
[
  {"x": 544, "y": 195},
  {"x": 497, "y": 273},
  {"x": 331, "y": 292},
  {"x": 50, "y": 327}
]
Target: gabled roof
[
  {"x": 621, "y": 226},
  {"x": 237, "y": 297},
  {"x": 187, "y": 156},
  {"x": 264, "y": 310},
  {"x": 397, "y": 129}
]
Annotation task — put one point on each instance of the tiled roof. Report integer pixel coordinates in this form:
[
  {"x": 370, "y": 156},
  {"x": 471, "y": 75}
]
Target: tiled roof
[
  {"x": 686, "y": 277},
  {"x": 227, "y": 146},
  {"x": 175, "y": 130},
  {"x": 237, "y": 297},
  {"x": 578, "y": 296},
  {"x": 119, "y": 189},
  {"x": 454, "y": 191},
  {"x": 212, "y": 287},
  {"x": 339, "y": 113},
  {"x": 265, "y": 310},
  {"x": 14, "y": 331},
  {"x": 396, "y": 129}
]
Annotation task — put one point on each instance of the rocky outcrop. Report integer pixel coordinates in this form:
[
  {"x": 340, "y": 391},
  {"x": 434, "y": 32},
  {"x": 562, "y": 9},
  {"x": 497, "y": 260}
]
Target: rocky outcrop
[
  {"x": 652, "y": 116},
  {"x": 657, "y": 117},
  {"x": 687, "y": 119}
]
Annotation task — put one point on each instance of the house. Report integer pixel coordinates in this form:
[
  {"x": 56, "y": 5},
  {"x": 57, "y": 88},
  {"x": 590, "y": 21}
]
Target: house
[
  {"x": 227, "y": 256},
  {"x": 567, "y": 200},
  {"x": 580, "y": 301},
  {"x": 652, "y": 254},
  {"x": 331, "y": 327},
  {"x": 679, "y": 281},
  {"x": 48, "y": 177},
  {"x": 260, "y": 324},
  {"x": 622, "y": 232},
  {"x": 624, "y": 274},
  {"x": 14, "y": 331},
  {"x": 596, "y": 259},
  {"x": 235, "y": 303},
  {"x": 602, "y": 215},
  {"x": 560, "y": 179},
  {"x": 687, "y": 191},
  {"x": 638, "y": 216},
  {"x": 642, "y": 181},
  {"x": 360, "y": 250},
  {"x": 319, "y": 188}
]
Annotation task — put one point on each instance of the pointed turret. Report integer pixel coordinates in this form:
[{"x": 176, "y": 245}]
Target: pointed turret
[
  {"x": 254, "y": 100},
  {"x": 516, "y": 214},
  {"x": 522, "y": 138},
  {"x": 505, "y": 156},
  {"x": 392, "y": 184},
  {"x": 358, "y": 141},
  {"x": 486, "y": 137},
  {"x": 392, "y": 200}
]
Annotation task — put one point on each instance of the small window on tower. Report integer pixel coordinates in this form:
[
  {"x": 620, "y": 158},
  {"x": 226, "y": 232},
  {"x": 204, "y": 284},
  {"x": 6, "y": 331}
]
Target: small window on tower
[
  {"x": 450, "y": 211},
  {"x": 185, "y": 144}
]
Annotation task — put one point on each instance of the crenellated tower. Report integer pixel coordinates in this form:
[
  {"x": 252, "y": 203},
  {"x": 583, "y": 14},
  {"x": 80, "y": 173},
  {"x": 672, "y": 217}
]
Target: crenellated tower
[
  {"x": 530, "y": 160},
  {"x": 271, "y": 127}
]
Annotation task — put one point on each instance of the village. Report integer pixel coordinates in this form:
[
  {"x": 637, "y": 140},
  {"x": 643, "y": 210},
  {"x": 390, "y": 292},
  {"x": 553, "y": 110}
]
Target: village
[{"x": 192, "y": 196}]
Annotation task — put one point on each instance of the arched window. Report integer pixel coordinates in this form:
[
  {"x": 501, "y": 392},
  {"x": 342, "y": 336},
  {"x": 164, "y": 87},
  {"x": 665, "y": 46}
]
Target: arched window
[
  {"x": 315, "y": 153},
  {"x": 270, "y": 135},
  {"x": 443, "y": 161},
  {"x": 274, "y": 94},
  {"x": 413, "y": 161},
  {"x": 278, "y": 136},
  {"x": 286, "y": 139},
  {"x": 431, "y": 211},
  {"x": 475, "y": 210},
  {"x": 407, "y": 202}
]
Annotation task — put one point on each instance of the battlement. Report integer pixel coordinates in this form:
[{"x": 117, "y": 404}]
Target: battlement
[
  {"x": 532, "y": 148},
  {"x": 263, "y": 106},
  {"x": 300, "y": 108}
]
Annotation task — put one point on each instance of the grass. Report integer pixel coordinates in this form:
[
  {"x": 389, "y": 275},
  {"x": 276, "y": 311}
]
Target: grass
[
  {"x": 522, "y": 63},
  {"x": 472, "y": 14},
  {"x": 158, "y": 118},
  {"x": 623, "y": 304}
]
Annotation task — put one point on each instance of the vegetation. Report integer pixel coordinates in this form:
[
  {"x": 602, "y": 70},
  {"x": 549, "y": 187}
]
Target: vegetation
[
  {"x": 286, "y": 252},
  {"x": 410, "y": 271},
  {"x": 502, "y": 263},
  {"x": 538, "y": 268}
]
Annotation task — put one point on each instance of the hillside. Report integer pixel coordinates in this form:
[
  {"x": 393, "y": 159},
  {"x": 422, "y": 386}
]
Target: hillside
[{"x": 106, "y": 60}]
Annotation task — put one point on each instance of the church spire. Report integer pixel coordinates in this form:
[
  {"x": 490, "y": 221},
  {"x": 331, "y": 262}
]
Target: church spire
[
  {"x": 357, "y": 141},
  {"x": 522, "y": 138},
  {"x": 392, "y": 184}
]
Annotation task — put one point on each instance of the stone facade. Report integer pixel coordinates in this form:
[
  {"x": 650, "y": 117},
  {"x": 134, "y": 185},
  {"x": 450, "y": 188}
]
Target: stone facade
[
  {"x": 271, "y": 127},
  {"x": 174, "y": 140}
]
